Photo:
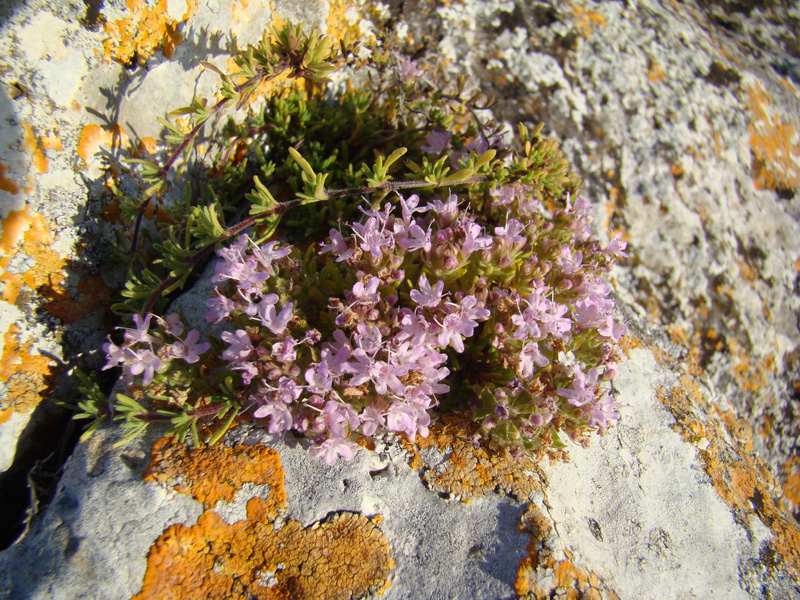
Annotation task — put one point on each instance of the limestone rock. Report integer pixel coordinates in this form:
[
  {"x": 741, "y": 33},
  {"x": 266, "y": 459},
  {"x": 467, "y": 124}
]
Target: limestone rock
[{"x": 682, "y": 118}]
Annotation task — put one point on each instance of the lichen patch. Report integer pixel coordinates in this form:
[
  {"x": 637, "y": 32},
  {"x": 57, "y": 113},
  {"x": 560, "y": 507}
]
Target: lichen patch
[
  {"x": 214, "y": 473},
  {"x": 546, "y": 574},
  {"x": 472, "y": 469},
  {"x": 739, "y": 476},
  {"x": 775, "y": 144},
  {"x": 93, "y": 137},
  {"x": 135, "y": 38},
  {"x": 345, "y": 556}
]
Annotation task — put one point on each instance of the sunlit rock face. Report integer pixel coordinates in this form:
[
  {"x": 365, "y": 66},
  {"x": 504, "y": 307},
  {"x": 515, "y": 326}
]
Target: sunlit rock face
[{"x": 683, "y": 122}]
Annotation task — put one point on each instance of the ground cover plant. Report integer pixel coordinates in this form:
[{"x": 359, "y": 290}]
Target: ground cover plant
[{"x": 385, "y": 252}]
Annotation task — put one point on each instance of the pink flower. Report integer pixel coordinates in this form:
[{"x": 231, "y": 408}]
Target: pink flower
[
  {"x": 616, "y": 246},
  {"x": 281, "y": 416},
  {"x": 266, "y": 254},
  {"x": 529, "y": 357},
  {"x": 319, "y": 377},
  {"x": 604, "y": 412},
  {"x": 373, "y": 239},
  {"x": 143, "y": 362},
  {"x": 367, "y": 294},
  {"x": 583, "y": 388},
  {"x": 188, "y": 349},
  {"x": 116, "y": 355},
  {"x": 612, "y": 330},
  {"x": 288, "y": 391},
  {"x": 511, "y": 232},
  {"x": 249, "y": 371},
  {"x": 408, "y": 70},
  {"x": 371, "y": 419},
  {"x": 272, "y": 320},
  {"x": 140, "y": 334},
  {"x": 331, "y": 449},
  {"x": 461, "y": 324},
  {"x": 337, "y": 417},
  {"x": 173, "y": 324},
  {"x": 368, "y": 338},
  {"x": 437, "y": 141},
  {"x": 240, "y": 346},
  {"x": 417, "y": 238},
  {"x": 426, "y": 296},
  {"x": 337, "y": 246},
  {"x": 221, "y": 306},
  {"x": 284, "y": 350},
  {"x": 408, "y": 419},
  {"x": 410, "y": 206}
]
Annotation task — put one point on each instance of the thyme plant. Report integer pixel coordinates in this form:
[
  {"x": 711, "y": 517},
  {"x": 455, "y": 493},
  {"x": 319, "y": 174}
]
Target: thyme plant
[{"x": 427, "y": 260}]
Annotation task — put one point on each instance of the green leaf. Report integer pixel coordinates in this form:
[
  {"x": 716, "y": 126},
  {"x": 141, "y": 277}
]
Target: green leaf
[
  {"x": 222, "y": 430},
  {"x": 302, "y": 162},
  {"x": 458, "y": 177}
]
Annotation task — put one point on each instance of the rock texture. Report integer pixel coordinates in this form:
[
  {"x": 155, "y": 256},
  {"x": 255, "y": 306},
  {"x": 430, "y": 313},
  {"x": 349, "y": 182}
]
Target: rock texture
[{"x": 683, "y": 119}]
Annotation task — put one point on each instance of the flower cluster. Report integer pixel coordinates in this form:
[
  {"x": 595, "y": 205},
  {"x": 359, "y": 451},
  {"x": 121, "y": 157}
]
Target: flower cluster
[
  {"x": 145, "y": 352},
  {"x": 415, "y": 303}
]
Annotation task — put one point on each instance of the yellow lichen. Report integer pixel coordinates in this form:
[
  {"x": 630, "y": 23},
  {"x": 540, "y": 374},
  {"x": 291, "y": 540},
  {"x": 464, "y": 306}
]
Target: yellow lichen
[
  {"x": 541, "y": 575},
  {"x": 587, "y": 20},
  {"x": 147, "y": 29},
  {"x": 214, "y": 473},
  {"x": 93, "y": 137},
  {"x": 473, "y": 470},
  {"x": 738, "y": 475},
  {"x": 775, "y": 144},
  {"x": 345, "y": 556}
]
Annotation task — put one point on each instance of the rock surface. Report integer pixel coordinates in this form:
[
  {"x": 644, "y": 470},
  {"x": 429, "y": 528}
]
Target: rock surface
[{"x": 683, "y": 120}]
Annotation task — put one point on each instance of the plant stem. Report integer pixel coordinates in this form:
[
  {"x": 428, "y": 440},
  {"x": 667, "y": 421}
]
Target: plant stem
[
  {"x": 393, "y": 186},
  {"x": 201, "y": 254},
  {"x": 207, "y": 411},
  {"x": 262, "y": 76}
]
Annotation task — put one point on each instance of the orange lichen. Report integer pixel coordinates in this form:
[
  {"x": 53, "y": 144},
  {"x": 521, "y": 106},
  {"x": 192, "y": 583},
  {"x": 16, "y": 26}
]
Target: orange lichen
[
  {"x": 27, "y": 373},
  {"x": 472, "y": 470},
  {"x": 775, "y": 144},
  {"x": 29, "y": 376},
  {"x": 92, "y": 293},
  {"x": 239, "y": 11},
  {"x": 34, "y": 147},
  {"x": 345, "y": 556},
  {"x": 6, "y": 184},
  {"x": 749, "y": 372},
  {"x": 214, "y": 473},
  {"x": 746, "y": 272},
  {"x": 137, "y": 37},
  {"x": 654, "y": 73},
  {"x": 791, "y": 485},
  {"x": 148, "y": 145},
  {"x": 541, "y": 575},
  {"x": 738, "y": 475},
  {"x": 587, "y": 20},
  {"x": 94, "y": 136}
]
